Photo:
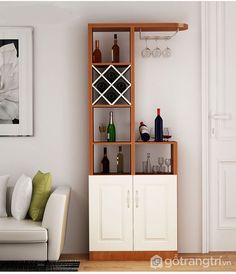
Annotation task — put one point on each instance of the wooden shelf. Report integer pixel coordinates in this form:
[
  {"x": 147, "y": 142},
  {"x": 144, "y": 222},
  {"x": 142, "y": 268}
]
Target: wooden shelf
[
  {"x": 109, "y": 63},
  {"x": 138, "y": 26},
  {"x": 156, "y": 174},
  {"x": 156, "y": 143},
  {"x": 112, "y": 143},
  {"x": 160, "y": 26},
  {"x": 112, "y": 173},
  {"x": 111, "y": 106}
]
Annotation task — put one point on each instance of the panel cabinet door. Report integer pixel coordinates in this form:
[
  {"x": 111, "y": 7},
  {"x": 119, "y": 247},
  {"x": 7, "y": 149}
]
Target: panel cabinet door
[
  {"x": 110, "y": 213},
  {"x": 155, "y": 212}
]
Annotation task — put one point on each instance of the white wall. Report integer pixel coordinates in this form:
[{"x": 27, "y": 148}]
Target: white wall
[{"x": 60, "y": 102}]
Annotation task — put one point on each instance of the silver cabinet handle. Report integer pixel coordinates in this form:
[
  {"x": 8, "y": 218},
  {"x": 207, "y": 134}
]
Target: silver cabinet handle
[
  {"x": 136, "y": 199},
  {"x": 128, "y": 199}
]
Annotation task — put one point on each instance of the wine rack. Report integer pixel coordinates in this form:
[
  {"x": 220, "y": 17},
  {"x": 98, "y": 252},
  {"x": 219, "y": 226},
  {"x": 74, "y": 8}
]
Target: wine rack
[{"x": 111, "y": 85}]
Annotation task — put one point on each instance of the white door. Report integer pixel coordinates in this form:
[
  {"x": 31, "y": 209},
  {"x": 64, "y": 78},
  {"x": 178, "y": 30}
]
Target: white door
[
  {"x": 155, "y": 212},
  {"x": 222, "y": 124},
  {"x": 110, "y": 213}
]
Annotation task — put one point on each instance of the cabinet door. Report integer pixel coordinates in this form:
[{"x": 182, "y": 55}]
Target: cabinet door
[
  {"x": 110, "y": 213},
  {"x": 155, "y": 212}
]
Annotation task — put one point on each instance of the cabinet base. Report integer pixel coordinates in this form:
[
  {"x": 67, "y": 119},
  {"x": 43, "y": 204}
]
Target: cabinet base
[{"x": 129, "y": 255}]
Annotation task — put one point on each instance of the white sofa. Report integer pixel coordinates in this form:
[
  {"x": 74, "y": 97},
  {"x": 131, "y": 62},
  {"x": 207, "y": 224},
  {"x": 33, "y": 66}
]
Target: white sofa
[{"x": 29, "y": 240}]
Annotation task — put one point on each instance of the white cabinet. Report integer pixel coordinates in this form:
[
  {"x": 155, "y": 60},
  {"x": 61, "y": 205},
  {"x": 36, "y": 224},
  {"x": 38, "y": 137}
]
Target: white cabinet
[
  {"x": 110, "y": 213},
  {"x": 155, "y": 212},
  {"x": 133, "y": 213}
]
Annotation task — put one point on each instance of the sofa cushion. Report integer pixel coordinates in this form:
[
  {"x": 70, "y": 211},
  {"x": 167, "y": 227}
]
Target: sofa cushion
[
  {"x": 3, "y": 195},
  {"x": 21, "y": 197},
  {"x": 42, "y": 183},
  {"x": 25, "y": 231}
]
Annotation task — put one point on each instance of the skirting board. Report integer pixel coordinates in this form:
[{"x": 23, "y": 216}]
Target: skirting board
[{"x": 129, "y": 255}]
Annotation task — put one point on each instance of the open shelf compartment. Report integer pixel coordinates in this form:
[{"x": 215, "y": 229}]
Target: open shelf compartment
[
  {"x": 121, "y": 121},
  {"x": 112, "y": 151},
  {"x": 167, "y": 150}
]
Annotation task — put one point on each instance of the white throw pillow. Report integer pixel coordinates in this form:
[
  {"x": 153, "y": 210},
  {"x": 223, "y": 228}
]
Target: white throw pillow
[
  {"x": 3, "y": 195},
  {"x": 21, "y": 197}
]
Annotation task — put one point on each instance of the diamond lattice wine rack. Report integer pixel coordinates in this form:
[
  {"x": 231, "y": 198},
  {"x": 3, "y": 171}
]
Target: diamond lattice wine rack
[{"x": 111, "y": 85}]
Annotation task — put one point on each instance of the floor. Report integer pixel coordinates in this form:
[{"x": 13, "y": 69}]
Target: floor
[{"x": 217, "y": 261}]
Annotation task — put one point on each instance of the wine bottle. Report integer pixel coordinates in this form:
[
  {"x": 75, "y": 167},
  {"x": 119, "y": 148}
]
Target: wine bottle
[
  {"x": 158, "y": 127},
  {"x": 111, "y": 130},
  {"x": 105, "y": 164},
  {"x": 144, "y": 133},
  {"x": 111, "y": 95},
  {"x": 120, "y": 161},
  {"x": 121, "y": 86},
  {"x": 102, "y": 85},
  {"x": 115, "y": 51},
  {"x": 111, "y": 76},
  {"x": 97, "y": 55},
  {"x": 148, "y": 164}
]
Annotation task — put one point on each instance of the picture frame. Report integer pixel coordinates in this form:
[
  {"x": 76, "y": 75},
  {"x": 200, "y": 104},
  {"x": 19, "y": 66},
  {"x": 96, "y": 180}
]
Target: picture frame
[{"x": 16, "y": 81}]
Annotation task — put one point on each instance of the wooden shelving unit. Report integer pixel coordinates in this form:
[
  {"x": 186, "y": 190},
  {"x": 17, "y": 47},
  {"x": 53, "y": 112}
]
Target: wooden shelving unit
[
  {"x": 104, "y": 189},
  {"x": 131, "y": 28}
]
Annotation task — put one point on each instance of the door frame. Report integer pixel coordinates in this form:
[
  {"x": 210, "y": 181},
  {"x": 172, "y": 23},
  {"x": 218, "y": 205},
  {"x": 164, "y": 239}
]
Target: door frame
[
  {"x": 208, "y": 9},
  {"x": 205, "y": 125}
]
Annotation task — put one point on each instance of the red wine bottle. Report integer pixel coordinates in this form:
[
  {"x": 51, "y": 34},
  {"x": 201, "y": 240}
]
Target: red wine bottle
[
  {"x": 105, "y": 164},
  {"x": 144, "y": 133},
  {"x": 115, "y": 51},
  {"x": 158, "y": 127},
  {"x": 97, "y": 55}
]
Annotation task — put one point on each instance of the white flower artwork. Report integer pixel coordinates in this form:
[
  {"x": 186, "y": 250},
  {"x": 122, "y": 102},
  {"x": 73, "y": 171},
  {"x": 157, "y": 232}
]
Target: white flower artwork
[
  {"x": 16, "y": 81},
  {"x": 9, "y": 84}
]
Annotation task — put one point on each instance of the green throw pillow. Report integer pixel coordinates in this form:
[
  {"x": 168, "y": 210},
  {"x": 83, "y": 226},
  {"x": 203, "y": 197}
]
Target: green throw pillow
[{"x": 42, "y": 183}]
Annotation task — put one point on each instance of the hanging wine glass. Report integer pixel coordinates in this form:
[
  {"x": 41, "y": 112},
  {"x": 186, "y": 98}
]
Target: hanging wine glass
[
  {"x": 167, "y": 51},
  {"x": 157, "y": 51},
  {"x": 146, "y": 52}
]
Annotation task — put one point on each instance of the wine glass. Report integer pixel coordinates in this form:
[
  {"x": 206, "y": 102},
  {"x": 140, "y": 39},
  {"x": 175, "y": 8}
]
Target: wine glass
[
  {"x": 157, "y": 51},
  {"x": 146, "y": 52},
  {"x": 161, "y": 162},
  {"x": 166, "y": 134},
  {"x": 103, "y": 131},
  {"x": 166, "y": 52},
  {"x": 155, "y": 169},
  {"x": 168, "y": 164}
]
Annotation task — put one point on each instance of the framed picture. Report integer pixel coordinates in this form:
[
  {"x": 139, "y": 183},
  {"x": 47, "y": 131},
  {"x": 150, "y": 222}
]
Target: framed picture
[{"x": 16, "y": 81}]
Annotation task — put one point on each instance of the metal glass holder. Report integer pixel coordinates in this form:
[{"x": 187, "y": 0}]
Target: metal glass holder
[{"x": 156, "y": 37}]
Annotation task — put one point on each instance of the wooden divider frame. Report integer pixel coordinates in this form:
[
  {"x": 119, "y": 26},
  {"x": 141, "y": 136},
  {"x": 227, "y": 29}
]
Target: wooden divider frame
[{"x": 131, "y": 28}]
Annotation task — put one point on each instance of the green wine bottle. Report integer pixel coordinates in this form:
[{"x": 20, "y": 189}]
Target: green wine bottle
[{"x": 111, "y": 130}]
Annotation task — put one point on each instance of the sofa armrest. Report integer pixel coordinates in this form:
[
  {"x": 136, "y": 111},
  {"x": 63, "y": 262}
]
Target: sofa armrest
[{"x": 54, "y": 220}]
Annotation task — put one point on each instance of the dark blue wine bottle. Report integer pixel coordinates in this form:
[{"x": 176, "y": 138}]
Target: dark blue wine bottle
[{"x": 158, "y": 127}]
